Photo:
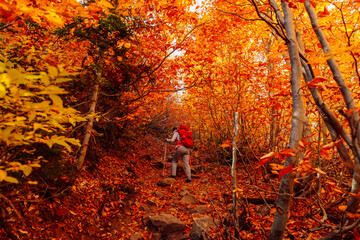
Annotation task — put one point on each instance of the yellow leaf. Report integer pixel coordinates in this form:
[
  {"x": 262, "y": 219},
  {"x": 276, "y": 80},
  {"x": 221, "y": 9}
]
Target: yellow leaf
[
  {"x": 73, "y": 141},
  {"x": 2, "y": 175},
  {"x": 56, "y": 100},
  {"x": 45, "y": 79},
  {"x": 52, "y": 90},
  {"x": 104, "y": 3},
  {"x": 53, "y": 72},
  {"x": 32, "y": 182},
  {"x": 56, "y": 124},
  {"x": 53, "y": 18},
  {"x": 2, "y": 91},
  {"x": 37, "y": 126},
  {"x": 5, "y": 79},
  {"x": 27, "y": 170},
  {"x": 11, "y": 179}
]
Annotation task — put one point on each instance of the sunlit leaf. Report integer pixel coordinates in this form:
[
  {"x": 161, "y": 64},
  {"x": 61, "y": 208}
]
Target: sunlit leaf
[{"x": 11, "y": 179}]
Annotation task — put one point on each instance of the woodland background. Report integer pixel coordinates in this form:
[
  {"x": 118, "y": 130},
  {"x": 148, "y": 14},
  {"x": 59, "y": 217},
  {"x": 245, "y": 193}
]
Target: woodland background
[{"x": 90, "y": 89}]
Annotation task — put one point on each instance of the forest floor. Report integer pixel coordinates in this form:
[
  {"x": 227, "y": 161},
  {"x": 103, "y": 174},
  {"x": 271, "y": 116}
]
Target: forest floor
[{"x": 109, "y": 199}]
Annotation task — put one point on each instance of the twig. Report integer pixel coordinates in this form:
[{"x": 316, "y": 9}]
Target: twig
[
  {"x": 8, "y": 25},
  {"x": 12, "y": 206}
]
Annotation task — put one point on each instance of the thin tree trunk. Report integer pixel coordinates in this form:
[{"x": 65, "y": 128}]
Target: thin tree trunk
[
  {"x": 346, "y": 93},
  {"x": 233, "y": 175},
  {"x": 287, "y": 181},
  {"x": 89, "y": 126},
  {"x": 331, "y": 121}
]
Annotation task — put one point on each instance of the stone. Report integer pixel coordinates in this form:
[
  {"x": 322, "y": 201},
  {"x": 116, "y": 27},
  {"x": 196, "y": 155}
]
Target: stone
[
  {"x": 151, "y": 203},
  {"x": 189, "y": 199},
  {"x": 201, "y": 210},
  {"x": 262, "y": 210},
  {"x": 173, "y": 210},
  {"x": 177, "y": 236},
  {"x": 159, "y": 194},
  {"x": 166, "y": 182},
  {"x": 136, "y": 236},
  {"x": 204, "y": 181},
  {"x": 183, "y": 193},
  {"x": 201, "y": 228},
  {"x": 164, "y": 224}
]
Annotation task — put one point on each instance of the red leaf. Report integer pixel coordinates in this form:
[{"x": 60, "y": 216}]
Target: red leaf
[
  {"x": 292, "y": 5},
  {"x": 313, "y": 4},
  {"x": 285, "y": 171},
  {"x": 356, "y": 234},
  {"x": 263, "y": 161},
  {"x": 61, "y": 212}
]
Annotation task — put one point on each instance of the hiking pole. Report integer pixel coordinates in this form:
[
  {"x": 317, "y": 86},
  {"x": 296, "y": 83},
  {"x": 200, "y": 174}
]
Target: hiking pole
[{"x": 164, "y": 160}]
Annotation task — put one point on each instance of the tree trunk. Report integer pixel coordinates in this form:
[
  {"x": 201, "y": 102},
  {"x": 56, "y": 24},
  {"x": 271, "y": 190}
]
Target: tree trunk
[
  {"x": 287, "y": 181},
  {"x": 346, "y": 93},
  {"x": 90, "y": 123},
  {"x": 233, "y": 175}
]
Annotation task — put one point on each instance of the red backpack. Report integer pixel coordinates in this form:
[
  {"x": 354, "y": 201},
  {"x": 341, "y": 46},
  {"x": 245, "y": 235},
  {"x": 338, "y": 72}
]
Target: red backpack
[{"x": 186, "y": 136}]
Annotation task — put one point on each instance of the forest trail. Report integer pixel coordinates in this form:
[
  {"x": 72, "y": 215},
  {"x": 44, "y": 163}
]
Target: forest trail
[
  {"x": 270, "y": 88},
  {"x": 117, "y": 196},
  {"x": 111, "y": 196}
]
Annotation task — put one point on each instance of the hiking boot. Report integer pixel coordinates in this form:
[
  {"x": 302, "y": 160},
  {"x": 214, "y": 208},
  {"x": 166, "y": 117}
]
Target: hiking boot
[
  {"x": 172, "y": 176},
  {"x": 188, "y": 180}
]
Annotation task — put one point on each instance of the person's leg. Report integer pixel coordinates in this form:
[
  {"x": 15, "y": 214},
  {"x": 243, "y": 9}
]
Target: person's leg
[
  {"x": 186, "y": 159},
  {"x": 174, "y": 163},
  {"x": 184, "y": 153}
]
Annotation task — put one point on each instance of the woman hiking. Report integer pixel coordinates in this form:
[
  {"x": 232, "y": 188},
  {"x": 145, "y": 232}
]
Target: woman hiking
[{"x": 182, "y": 150}]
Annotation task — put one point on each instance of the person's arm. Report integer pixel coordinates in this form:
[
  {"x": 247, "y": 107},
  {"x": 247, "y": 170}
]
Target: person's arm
[{"x": 174, "y": 137}]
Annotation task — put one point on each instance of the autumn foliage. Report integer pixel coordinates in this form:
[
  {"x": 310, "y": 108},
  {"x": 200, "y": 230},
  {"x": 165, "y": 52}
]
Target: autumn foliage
[{"x": 90, "y": 89}]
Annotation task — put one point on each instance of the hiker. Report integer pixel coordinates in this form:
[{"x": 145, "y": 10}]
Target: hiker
[{"x": 181, "y": 151}]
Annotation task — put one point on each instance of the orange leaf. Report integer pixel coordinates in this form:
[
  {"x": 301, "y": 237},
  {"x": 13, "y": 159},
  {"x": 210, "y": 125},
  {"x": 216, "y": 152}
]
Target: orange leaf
[
  {"x": 325, "y": 13},
  {"x": 325, "y": 153},
  {"x": 289, "y": 152},
  {"x": 226, "y": 144},
  {"x": 314, "y": 83},
  {"x": 319, "y": 171},
  {"x": 285, "y": 171},
  {"x": 328, "y": 146},
  {"x": 342, "y": 207},
  {"x": 307, "y": 154}
]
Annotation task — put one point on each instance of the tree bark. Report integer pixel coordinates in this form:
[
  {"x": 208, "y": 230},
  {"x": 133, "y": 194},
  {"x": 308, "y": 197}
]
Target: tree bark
[
  {"x": 346, "y": 93},
  {"x": 233, "y": 175},
  {"x": 89, "y": 126},
  {"x": 287, "y": 181}
]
